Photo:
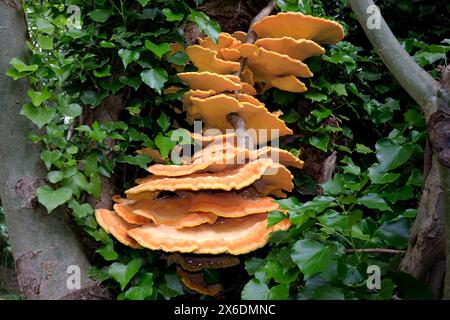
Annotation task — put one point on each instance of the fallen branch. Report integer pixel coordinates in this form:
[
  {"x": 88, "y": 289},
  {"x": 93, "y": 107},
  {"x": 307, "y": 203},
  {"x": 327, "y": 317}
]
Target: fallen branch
[{"x": 376, "y": 250}]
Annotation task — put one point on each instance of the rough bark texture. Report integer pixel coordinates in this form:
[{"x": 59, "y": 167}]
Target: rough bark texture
[
  {"x": 43, "y": 245},
  {"x": 427, "y": 236}
]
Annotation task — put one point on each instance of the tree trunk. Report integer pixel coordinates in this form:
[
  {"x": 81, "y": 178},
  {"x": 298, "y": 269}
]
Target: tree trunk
[
  {"x": 43, "y": 245},
  {"x": 430, "y": 240}
]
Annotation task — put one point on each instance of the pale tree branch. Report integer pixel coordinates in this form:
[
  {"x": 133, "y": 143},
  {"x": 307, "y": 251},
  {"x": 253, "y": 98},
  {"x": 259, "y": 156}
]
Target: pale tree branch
[{"x": 416, "y": 81}]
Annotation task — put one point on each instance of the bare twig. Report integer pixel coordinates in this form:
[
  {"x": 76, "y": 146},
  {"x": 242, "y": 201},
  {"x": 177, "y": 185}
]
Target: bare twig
[
  {"x": 251, "y": 36},
  {"x": 375, "y": 250}
]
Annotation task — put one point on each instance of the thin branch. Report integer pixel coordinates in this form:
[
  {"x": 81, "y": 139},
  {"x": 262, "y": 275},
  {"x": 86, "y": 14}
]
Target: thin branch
[
  {"x": 251, "y": 36},
  {"x": 416, "y": 81},
  {"x": 375, "y": 250}
]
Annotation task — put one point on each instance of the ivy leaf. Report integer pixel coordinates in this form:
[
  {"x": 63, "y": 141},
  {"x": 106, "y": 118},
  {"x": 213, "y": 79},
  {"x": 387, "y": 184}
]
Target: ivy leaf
[
  {"x": 163, "y": 121},
  {"x": 374, "y": 201},
  {"x": 144, "y": 2},
  {"x": 143, "y": 290},
  {"x": 179, "y": 58},
  {"x": 45, "y": 42},
  {"x": 320, "y": 142},
  {"x": 316, "y": 96},
  {"x": 100, "y": 15},
  {"x": 205, "y": 24},
  {"x": 44, "y": 26},
  {"x": 279, "y": 292},
  {"x": 124, "y": 273},
  {"x": 72, "y": 110},
  {"x": 103, "y": 72},
  {"x": 128, "y": 57},
  {"x": 141, "y": 160},
  {"x": 158, "y": 49},
  {"x": 275, "y": 217},
  {"x": 50, "y": 157},
  {"x": 134, "y": 82},
  {"x": 396, "y": 233},
  {"x": 55, "y": 176},
  {"x": 20, "y": 66},
  {"x": 51, "y": 198},
  {"x": 165, "y": 145},
  {"x": 311, "y": 257},
  {"x": 172, "y": 286},
  {"x": 38, "y": 97},
  {"x": 107, "y": 252},
  {"x": 360, "y": 148},
  {"x": 255, "y": 290},
  {"x": 155, "y": 78},
  {"x": 172, "y": 16},
  {"x": 391, "y": 155},
  {"x": 40, "y": 116}
]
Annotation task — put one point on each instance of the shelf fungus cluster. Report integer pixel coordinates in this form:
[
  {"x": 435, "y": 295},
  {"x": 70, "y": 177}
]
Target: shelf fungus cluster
[{"x": 217, "y": 203}]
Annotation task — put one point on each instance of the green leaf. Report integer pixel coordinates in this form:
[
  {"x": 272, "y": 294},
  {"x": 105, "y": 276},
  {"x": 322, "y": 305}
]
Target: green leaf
[
  {"x": 133, "y": 82},
  {"x": 80, "y": 210},
  {"x": 143, "y": 290},
  {"x": 20, "y": 66},
  {"x": 396, "y": 233},
  {"x": 103, "y": 72},
  {"x": 50, "y": 157},
  {"x": 335, "y": 186},
  {"x": 39, "y": 115},
  {"x": 279, "y": 292},
  {"x": 163, "y": 121},
  {"x": 171, "y": 16},
  {"x": 374, "y": 201},
  {"x": 381, "y": 178},
  {"x": 141, "y": 160},
  {"x": 320, "y": 142},
  {"x": 128, "y": 57},
  {"x": 391, "y": 155},
  {"x": 100, "y": 15},
  {"x": 44, "y": 26},
  {"x": 158, "y": 49},
  {"x": 205, "y": 24},
  {"x": 123, "y": 273},
  {"x": 72, "y": 110},
  {"x": 144, "y": 2},
  {"x": 316, "y": 96},
  {"x": 275, "y": 217},
  {"x": 51, "y": 198},
  {"x": 360, "y": 148},
  {"x": 107, "y": 252},
  {"x": 253, "y": 265},
  {"x": 38, "y": 97},
  {"x": 55, "y": 176},
  {"x": 171, "y": 286},
  {"x": 179, "y": 58},
  {"x": 165, "y": 145},
  {"x": 155, "y": 78},
  {"x": 95, "y": 185},
  {"x": 311, "y": 257},
  {"x": 45, "y": 42},
  {"x": 255, "y": 290}
]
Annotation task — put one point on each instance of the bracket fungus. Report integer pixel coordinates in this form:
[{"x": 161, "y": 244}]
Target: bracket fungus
[{"x": 220, "y": 202}]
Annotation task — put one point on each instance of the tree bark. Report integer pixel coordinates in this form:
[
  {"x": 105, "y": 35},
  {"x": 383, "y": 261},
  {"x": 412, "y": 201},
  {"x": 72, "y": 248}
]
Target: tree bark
[
  {"x": 429, "y": 241},
  {"x": 43, "y": 245}
]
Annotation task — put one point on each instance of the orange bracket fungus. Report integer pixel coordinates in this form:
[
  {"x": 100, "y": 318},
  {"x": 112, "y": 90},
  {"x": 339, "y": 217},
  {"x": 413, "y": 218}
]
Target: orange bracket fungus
[{"x": 219, "y": 202}]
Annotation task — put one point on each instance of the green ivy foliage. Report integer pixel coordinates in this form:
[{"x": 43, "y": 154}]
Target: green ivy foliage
[{"x": 115, "y": 54}]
